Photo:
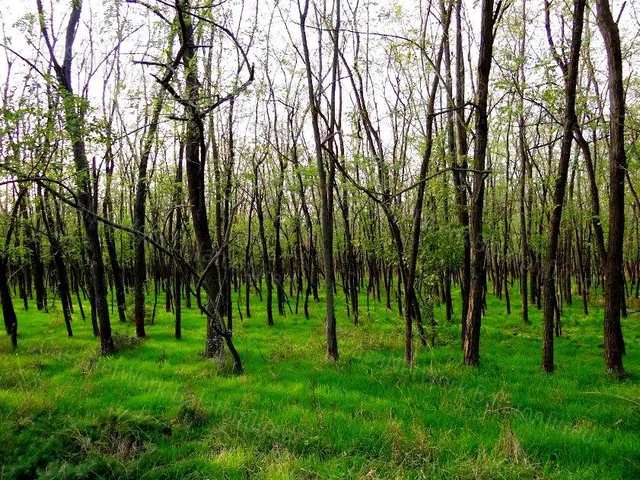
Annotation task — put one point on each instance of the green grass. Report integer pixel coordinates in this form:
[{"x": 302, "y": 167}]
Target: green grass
[{"x": 157, "y": 409}]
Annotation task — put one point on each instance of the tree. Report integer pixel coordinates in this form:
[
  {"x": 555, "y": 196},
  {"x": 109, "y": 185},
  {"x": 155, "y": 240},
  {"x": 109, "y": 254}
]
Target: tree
[
  {"x": 195, "y": 156},
  {"x": 613, "y": 340},
  {"x": 75, "y": 127},
  {"x": 8, "y": 311},
  {"x": 570, "y": 74},
  {"x": 325, "y": 177},
  {"x": 471, "y": 343},
  {"x": 139, "y": 215}
]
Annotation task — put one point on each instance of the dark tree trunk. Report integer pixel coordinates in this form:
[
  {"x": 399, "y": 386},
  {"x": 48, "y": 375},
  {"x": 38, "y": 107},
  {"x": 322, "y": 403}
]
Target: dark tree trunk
[
  {"x": 325, "y": 183},
  {"x": 613, "y": 339},
  {"x": 471, "y": 343},
  {"x": 278, "y": 268},
  {"x": 266, "y": 261},
  {"x": 35, "y": 252},
  {"x": 195, "y": 157},
  {"x": 570, "y": 72},
  {"x": 8, "y": 311},
  {"x": 247, "y": 262},
  {"x": 86, "y": 199},
  {"x": 522, "y": 150},
  {"x": 139, "y": 213},
  {"x": 59, "y": 262},
  {"x": 459, "y": 176},
  {"x": 116, "y": 271},
  {"x": 177, "y": 245}
]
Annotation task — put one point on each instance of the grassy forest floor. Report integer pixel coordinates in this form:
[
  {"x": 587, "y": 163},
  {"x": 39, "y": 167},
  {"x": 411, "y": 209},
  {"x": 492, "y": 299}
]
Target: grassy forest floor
[{"x": 157, "y": 409}]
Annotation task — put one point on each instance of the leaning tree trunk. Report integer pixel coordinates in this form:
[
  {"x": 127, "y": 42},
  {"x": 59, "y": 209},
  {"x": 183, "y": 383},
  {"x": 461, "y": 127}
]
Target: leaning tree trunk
[{"x": 409, "y": 274}]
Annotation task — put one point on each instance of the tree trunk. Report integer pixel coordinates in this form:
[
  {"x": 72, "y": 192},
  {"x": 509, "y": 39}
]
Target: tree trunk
[
  {"x": 139, "y": 213},
  {"x": 111, "y": 243},
  {"x": 570, "y": 73},
  {"x": 522, "y": 149},
  {"x": 195, "y": 157},
  {"x": 477, "y": 253},
  {"x": 177, "y": 245},
  {"x": 58, "y": 260},
  {"x": 325, "y": 185},
  {"x": 459, "y": 176},
  {"x": 613, "y": 340},
  {"x": 266, "y": 261},
  {"x": 86, "y": 199}
]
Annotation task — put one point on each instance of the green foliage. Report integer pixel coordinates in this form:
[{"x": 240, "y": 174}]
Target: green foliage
[{"x": 441, "y": 248}]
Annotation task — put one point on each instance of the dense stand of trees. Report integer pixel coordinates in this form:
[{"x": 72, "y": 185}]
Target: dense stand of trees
[{"x": 317, "y": 149}]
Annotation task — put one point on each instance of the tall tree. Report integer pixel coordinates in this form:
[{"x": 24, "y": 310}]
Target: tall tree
[
  {"x": 197, "y": 106},
  {"x": 471, "y": 343},
  {"x": 8, "y": 311},
  {"x": 570, "y": 74},
  {"x": 325, "y": 176},
  {"x": 139, "y": 214},
  {"x": 86, "y": 198},
  {"x": 459, "y": 173},
  {"x": 522, "y": 153},
  {"x": 613, "y": 340}
]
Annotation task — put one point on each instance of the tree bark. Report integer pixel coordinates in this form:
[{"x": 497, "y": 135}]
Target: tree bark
[
  {"x": 116, "y": 271},
  {"x": 459, "y": 176},
  {"x": 522, "y": 149}
]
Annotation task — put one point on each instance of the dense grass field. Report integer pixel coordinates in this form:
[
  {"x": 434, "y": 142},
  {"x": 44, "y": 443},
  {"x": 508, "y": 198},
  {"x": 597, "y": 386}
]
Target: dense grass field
[{"x": 157, "y": 409}]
